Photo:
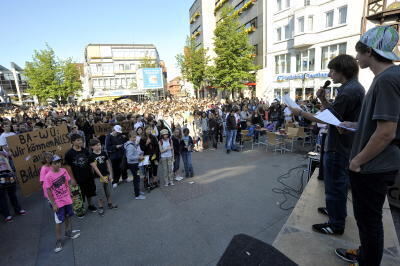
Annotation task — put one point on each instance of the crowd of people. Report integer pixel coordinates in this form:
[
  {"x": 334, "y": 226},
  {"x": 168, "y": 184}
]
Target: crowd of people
[{"x": 160, "y": 133}]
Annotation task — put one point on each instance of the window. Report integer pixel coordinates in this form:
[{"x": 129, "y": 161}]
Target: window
[
  {"x": 305, "y": 60},
  {"x": 307, "y": 2},
  {"x": 288, "y": 33},
  {"x": 98, "y": 68},
  {"x": 287, "y": 3},
  {"x": 330, "y": 52},
  {"x": 121, "y": 67},
  {"x": 310, "y": 23},
  {"x": 300, "y": 24},
  {"x": 240, "y": 5},
  {"x": 279, "y": 34},
  {"x": 255, "y": 48},
  {"x": 329, "y": 19},
  {"x": 279, "y": 5},
  {"x": 133, "y": 67},
  {"x": 282, "y": 63},
  {"x": 343, "y": 15},
  {"x": 251, "y": 23}
]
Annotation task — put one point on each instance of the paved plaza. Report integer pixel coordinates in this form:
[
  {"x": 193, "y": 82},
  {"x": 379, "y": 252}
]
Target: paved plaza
[{"x": 188, "y": 224}]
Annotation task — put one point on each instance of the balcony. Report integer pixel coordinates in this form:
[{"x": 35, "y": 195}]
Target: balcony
[
  {"x": 303, "y": 40},
  {"x": 381, "y": 10}
]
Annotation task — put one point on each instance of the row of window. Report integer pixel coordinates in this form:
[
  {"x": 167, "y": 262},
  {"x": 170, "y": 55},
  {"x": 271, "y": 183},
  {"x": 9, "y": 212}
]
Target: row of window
[
  {"x": 284, "y": 4},
  {"x": 305, "y": 60},
  {"x": 303, "y": 94},
  {"x": 134, "y": 53},
  {"x": 288, "y": 29},
  {"x": 114, "y": 82},
  {"x": 111, "y": 68}
]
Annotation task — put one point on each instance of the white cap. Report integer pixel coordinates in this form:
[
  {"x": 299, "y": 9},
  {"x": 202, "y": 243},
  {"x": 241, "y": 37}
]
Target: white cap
[{"x": 118, "y": 128}]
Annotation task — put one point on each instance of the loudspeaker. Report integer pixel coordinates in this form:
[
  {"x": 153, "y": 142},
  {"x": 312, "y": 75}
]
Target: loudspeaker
[{"x": 246, "y": 250}]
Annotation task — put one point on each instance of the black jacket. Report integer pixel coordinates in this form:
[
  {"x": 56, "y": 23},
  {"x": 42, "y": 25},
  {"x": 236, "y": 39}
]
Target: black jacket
[{"x": 111, "y": 146}]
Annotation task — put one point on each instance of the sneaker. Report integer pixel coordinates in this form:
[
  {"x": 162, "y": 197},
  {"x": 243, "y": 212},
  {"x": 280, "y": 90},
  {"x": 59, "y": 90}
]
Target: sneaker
[
  {"x": 58, "y": 247},
  {"x": 172, "y": 184},
  {"x": 323, "y": 210},
  {"x": 8, "y": 219},
  {"x": 191, "y": 175},
  {"x": 80, "y": 216},
  {"x": 348, "y": 255},
  {"x": 140, "y": 197},
  {"x": 166, "y": 185},
  {"x": 101, "y": 211},
  {"x": 111, "y": 206},
  {"x": 115, "y": 185},
  {"x": 327, "y": 229},
  {"x": 228, "y": 151},
  {"x": 22, "y": 212},
  {"x": 74, "y": 234},
  {"x": 92, "y": 208}
]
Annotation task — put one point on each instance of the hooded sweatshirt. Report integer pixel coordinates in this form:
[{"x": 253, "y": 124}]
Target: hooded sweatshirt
[{"x": 132, "y": 151}]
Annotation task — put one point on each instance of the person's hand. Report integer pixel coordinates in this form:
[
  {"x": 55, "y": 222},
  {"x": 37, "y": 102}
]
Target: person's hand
[
  {"x": 141, "y": 158},
  {"x": 295, "y": 111},
  {"x": 55, "y": 208},
  {"x": 321, "y": 94},
  {"x": 119, "y": 146},
  {"x": 355, "y": 166},
  {"x": 73, "y": 182}
]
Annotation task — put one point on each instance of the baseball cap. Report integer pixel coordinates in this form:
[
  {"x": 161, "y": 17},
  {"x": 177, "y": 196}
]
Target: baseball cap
[
  {"x": 164, "y": 132},
  {"x": 56, "y": 158},
  {"x": 118, "y": 128},
  {"x": 383, "y": 40}
]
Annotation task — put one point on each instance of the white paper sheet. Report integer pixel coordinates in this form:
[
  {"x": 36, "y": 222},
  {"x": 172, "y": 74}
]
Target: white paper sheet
[
  {"x": 329, "y": 118},
  {"x": 289, "y": 102},
  {"x": 146, "y": 161}
]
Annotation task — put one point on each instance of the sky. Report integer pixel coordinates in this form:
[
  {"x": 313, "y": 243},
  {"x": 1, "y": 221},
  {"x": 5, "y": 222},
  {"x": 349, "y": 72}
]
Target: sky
[{"x": 68, "y": 26}]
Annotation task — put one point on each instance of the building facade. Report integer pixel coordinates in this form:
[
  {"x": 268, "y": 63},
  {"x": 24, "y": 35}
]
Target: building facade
[
  {"x": 251, "y": 16},
  {"x": 110, "y": 71},
  {"x": 13, "y": 85},
  {"x": 202, "y": 24},
  {"x": 302, "y": 37}
]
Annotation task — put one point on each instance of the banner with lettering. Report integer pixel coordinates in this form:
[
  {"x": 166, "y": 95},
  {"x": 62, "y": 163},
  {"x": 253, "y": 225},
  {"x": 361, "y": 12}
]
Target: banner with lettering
[
  {"x": 26, "y": 150},
  {"x": 101, "y": 129}
]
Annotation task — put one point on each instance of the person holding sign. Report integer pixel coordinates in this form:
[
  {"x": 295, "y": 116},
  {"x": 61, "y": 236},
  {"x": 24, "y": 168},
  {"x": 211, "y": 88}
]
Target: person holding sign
[
  {"x": 56, "y": 183},
  {"x": 343, "y": 69}
]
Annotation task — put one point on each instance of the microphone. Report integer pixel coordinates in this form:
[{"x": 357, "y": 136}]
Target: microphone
[{"x": 327, "y": 83}]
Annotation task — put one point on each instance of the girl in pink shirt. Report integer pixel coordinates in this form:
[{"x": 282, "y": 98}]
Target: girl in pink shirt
[{"x": 56, "y": 182}]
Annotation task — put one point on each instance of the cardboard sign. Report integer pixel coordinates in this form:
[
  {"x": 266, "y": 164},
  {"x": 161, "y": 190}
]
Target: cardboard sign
[
  {"x": 102, "y": 129},
  {"x": 26, "y": 150}
]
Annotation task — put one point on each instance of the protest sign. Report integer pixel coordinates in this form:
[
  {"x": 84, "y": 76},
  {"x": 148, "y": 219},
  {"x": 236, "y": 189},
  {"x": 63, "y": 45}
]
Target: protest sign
[
  {"x": 26, "y": 150},
  {"x": 102, "y": 129}
]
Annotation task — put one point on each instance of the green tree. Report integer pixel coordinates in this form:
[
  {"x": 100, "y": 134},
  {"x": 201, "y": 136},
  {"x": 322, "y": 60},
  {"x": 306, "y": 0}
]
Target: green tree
[
  {"x": 234, "y": 63},
  {"x": 194, "y": 65},
  {"x": 42, "y": 74},
  {"x": 70, "y": 76},
  {"x": 49, "y": 77}
]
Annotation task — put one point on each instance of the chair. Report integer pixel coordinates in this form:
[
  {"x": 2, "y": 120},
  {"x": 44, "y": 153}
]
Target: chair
[
  {"x": 245, "y": 138},
  {"x": 274, "y": 142},
  {"x": 304, "y": 136},
  {"x": 292, "y": 137}
]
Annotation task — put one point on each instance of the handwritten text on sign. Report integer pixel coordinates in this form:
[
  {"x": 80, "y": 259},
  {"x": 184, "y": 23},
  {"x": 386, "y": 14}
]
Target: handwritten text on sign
[
  {"x": 26, "y": 150},
  {"x": 101, "y": 129}
]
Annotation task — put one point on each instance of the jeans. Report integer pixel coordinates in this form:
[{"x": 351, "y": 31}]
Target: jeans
[
  {"x": 336, "y": 184},
  {"x": 369, "y": 193},
  {"x": 213, "y": 138},
  {"x": 118, "y": 171},
  {"x": 177, "y": 158},
  {"x": 187, "y": 163},
  {"x": 230, "y": 139},
  {"x": 10, "y": 190},
  {"x": 134, "y": 167},
  {"x": 205, "y": 139}
]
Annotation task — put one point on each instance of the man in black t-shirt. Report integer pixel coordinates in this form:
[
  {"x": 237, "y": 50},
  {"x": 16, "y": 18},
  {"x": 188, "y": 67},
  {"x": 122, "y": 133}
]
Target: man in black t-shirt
[
  {"x": 375, "y": 154},
  {"x": 77, "y": 161},
  {"x": 102, "y": 168}
]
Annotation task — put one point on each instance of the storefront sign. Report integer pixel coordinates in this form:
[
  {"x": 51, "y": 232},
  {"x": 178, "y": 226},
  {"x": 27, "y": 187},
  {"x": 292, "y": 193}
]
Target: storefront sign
[{"x": 301, "y": 76}]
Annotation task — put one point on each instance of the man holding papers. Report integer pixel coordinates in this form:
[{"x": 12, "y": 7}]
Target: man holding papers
[
  {"x": 375, "y": 155},
  {"x": 343, "y": 69}
]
